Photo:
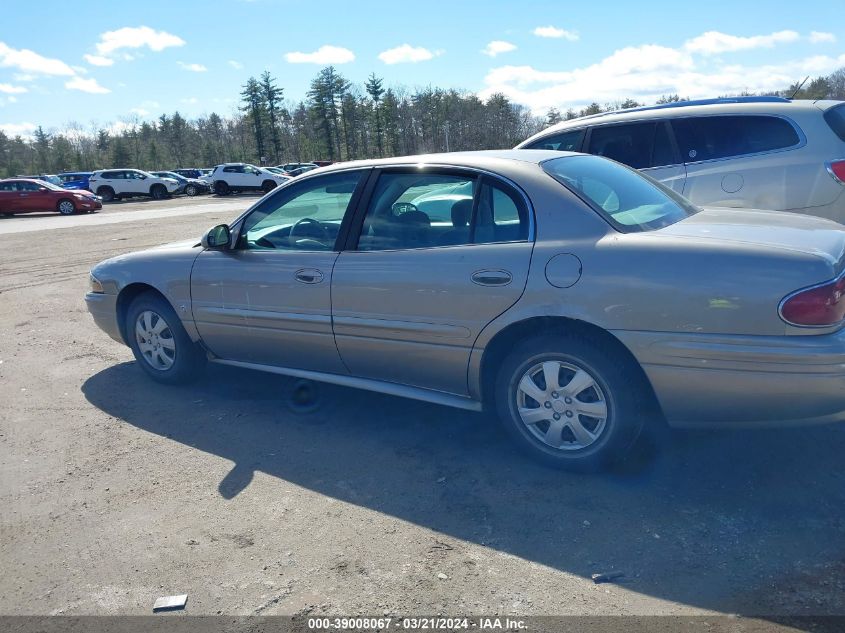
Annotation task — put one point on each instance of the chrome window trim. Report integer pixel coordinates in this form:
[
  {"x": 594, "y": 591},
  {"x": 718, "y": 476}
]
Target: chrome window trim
[{"x": 804, "y": 289}]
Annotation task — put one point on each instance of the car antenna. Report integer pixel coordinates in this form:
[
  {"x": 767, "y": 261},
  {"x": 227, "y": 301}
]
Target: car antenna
[{"x": 801, "y": 85}]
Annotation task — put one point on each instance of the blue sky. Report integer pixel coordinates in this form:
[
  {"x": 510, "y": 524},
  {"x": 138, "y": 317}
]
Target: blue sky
[{"x": 104, "y": 67}]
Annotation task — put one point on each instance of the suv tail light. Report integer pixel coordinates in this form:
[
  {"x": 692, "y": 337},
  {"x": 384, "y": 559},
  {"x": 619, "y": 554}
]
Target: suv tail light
[
  {"x": 836, "y": 168},
  {"x": 819, "y": 306}
]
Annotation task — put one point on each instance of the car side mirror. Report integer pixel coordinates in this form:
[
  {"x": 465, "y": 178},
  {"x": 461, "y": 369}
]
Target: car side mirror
[{"x": 218, "y": 237}]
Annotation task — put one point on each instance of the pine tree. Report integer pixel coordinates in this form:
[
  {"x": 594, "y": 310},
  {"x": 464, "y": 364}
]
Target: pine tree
[
  {"x": 253, "y": 104},
  {"x": 272, "y": 96}
]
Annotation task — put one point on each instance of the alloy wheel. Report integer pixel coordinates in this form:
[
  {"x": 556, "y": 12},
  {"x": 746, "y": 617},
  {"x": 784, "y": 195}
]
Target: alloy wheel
[
  {"x": 562, "y": 405},
  {"x": 155, "y": 340}
]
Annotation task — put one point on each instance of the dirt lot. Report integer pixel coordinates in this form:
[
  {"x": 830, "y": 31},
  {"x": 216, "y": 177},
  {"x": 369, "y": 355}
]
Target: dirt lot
[{"x": 115, "y": 491}]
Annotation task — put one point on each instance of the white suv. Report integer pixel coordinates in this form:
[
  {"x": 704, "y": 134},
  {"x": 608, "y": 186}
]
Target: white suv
[
  {"x": 235, "y": 177},
  {"x": 748, "y": 152},
  {"x": 114, "y": 184}
]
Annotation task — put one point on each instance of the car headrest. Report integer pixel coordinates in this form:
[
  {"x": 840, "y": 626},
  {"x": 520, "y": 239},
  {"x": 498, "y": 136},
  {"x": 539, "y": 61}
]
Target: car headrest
[{"x": 462, "y": 213}]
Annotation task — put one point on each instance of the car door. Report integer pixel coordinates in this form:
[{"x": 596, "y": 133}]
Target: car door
[
  {"x": 645, "y": 145},
  {"x": 268, "y": 299},
  {"x": 30, "y": 197},
  {"x": 8, "y": 195},
  {"x": 40, "y": 197},
  {"x": 439, "y": 254}
]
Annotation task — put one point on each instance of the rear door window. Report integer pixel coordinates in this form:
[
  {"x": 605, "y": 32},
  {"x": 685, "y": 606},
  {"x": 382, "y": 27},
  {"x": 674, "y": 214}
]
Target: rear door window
[
  {"x": 638, "y": 145},
  {"x": 713, "y": 137}
]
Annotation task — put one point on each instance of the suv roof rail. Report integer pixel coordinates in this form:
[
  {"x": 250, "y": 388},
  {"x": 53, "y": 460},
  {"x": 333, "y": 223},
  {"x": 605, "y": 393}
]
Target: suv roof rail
[{"x": 681, "y": 104}]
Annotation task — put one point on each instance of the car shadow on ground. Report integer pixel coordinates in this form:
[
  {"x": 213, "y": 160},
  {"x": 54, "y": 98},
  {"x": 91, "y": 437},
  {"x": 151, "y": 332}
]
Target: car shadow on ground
[{"x": 738, "y": 522}]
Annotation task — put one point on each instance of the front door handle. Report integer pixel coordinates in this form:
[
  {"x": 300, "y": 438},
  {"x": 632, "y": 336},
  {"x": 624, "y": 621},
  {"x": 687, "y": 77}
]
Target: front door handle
[
  {"x": 309, "y": 275},
  {"x": 491, "y": 277}
]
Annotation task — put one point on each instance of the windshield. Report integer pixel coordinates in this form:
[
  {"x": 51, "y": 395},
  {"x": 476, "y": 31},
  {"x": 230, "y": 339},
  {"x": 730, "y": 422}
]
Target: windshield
[{"x": 629, "y": 200}]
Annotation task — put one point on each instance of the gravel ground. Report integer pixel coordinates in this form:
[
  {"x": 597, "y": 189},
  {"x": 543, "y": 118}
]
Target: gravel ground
[{"x": 115, "y": 491}]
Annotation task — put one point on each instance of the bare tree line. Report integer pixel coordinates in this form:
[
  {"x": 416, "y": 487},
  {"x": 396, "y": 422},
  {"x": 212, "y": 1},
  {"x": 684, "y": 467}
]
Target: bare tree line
[{"x": 338, "y": 120}]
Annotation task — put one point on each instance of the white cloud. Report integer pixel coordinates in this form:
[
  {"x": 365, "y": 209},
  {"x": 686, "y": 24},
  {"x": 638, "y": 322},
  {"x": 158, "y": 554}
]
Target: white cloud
[
  {"x": 644, "y": 73},
  {"x": 139, "y": 111},
  {"x": 86, "y": 85},
  {"x": 818, "y": 37},
  {"x": 324, "y": 55},
  {"x": 714, "y": 42},
  {"x": 31, "y": 62},
  {"x": 97, "y": 60},
  {"x": 407, "y": 54},
  {"x": 189, "y": 100},
  {"x": 136, "y": 37},
  {"x": 497, "y": 47},
  {"x": 194, "y": 68},
  {"x": 24, "y": 77},
  {"x": 553, "y": 31},
  {"x": 9, "y": 89},
  {"x": 17, "y": 129},
  {"x": 235, "y": 65}
]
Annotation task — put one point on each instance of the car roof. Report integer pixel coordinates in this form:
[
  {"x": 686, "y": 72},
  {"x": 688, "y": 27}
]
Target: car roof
[
  {"x": 480, "y": 159},
  {"x": 737, "y": 105}
]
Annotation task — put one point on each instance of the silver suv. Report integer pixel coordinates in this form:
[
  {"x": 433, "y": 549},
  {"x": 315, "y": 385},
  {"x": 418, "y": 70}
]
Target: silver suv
[{"x": 748, "y": 152}]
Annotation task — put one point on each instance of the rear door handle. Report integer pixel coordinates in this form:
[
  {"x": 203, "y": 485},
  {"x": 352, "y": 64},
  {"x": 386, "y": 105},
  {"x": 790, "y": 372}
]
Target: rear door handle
[
  {"x": 491, "y": 277},
  {"x": 309, "y": 275}
]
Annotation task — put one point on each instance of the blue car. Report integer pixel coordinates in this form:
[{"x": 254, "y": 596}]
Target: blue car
[{"x": 75, "y": 179}]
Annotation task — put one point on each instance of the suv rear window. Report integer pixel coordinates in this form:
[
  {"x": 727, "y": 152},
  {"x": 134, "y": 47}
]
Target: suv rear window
[
  {"x": 835, "y": 118},
  {"x": 711, "y": 137},
  {"x": 568, "y": 141},
  {"x": 629, "y": 200},
  {"x": 638, "y": 145}
]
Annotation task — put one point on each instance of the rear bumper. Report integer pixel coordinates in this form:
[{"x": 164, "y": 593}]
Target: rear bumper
[
  {"x": 103, "y": 308},
  {"x": 708, "y": 380}
]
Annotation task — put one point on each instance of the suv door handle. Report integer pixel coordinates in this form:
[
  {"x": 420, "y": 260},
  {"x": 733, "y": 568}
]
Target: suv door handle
[
  {"x": 309, "y": 275},
  {"x": 491, "y": 277}
]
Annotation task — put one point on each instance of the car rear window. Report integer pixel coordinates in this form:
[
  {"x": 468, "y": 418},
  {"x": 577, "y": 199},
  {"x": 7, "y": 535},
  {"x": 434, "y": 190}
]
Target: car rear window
[
  {"x": 712, "y": 137},
  {"x": 835, "y": 118},
  {"x": 629, "y": 200}
]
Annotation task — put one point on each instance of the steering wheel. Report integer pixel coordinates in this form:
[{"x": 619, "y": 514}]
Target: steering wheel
[
  {"x": 309, "y": 228},
  {"x": 399, "y": 208}
]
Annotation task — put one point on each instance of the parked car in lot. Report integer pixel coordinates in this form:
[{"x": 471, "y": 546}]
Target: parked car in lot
[
  {"x": 297, "y": 169},
  {"x": 237, "y": 177},
  {"x": 190, "y": 172},
  {"x": 27, "y": 195},
  {"x": 114, "y": 184},
  {"x": 577, "y": 299},
  {"x": 279, "y": 171},
  {"x": 75, "y": 180},
  {"x": 746, "y": 152},
  {"x": 189, "y": 186},
  {"x": 51, "y": 178}
]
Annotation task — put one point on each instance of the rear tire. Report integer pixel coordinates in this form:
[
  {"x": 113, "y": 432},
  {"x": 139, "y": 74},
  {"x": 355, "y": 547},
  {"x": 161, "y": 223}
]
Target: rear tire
[
  {"x": 161, "y": 346},
  {"x": 570, "y": 401},
  {"x": 106, "y": 193},
  {"x": 66, "y": 207},
  {"x": 191, "y": 191},
  {"x": 221, "y": 188},
  {"x": 158, "y": 192}
]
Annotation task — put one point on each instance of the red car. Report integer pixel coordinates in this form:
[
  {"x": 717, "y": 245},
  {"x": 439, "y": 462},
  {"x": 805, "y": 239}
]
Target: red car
[{"x": 24, "y": 195}]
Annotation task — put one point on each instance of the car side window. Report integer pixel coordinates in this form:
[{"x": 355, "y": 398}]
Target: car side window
[
  {"x": 569, "y": 141},
  {"x": 501, "y": 215},
  {"x": 28, "y": 186},
  {"x": 713, "y": 137},
  {"x": 423, "y": 210},
  {"x": 306, "y": 216},
  {"x": 6, "y": 186},
  {"x": 418, "y": 210},
  {"x": 630, "y": 143}
]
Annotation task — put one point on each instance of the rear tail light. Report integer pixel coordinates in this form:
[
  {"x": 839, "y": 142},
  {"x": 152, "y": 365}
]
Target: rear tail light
[
  {"x": 836, "y": 168},
  {"x": 819, "y": 306}
]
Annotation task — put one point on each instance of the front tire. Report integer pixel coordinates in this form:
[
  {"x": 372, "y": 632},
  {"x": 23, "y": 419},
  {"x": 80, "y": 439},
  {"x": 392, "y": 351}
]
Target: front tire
[
  {"x": 66, "y": 207},
  {"x": 570, "y": 401},
  {"x": 158, "y": 192},
  {"x": 267, "y": 186},
  {"x": 106, "y": 193},
  {"x": 191, "y": 191},
  {"x": 160, "y": 343}
]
